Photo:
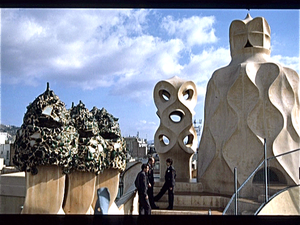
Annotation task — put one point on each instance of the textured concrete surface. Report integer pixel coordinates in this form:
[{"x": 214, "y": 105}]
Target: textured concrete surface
[
  {"x": 44, "y": 191},
  {"x": 109, "y": 179},
  {"x": 12, "y": 192},
  {"x": 286, "y": 203},
  {"x": 250, "y": 99},
  {"x": 176, "y": 136}
]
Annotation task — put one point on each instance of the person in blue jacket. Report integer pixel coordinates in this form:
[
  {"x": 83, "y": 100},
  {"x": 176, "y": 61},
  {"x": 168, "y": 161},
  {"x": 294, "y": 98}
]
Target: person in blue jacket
[{"x": 169, "y": 184}]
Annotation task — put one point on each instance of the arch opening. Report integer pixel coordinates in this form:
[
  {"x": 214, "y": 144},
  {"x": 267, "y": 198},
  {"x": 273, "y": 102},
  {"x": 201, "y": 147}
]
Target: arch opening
[
  {"x": 176, "y": 116},
  {"x": 188, "y": 140},
  {"x": 188, "y": 94},
  {"x": 163, "y": 139},
  {"x": 275, "y": 176},
  {"x": 164, "y": 95}
]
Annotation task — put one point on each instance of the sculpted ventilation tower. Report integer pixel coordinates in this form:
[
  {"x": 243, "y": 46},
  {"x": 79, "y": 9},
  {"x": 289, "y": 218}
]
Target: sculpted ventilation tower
[
  {"x": 247, "y": 101},
  {"x": 69, "y": 156},
  {"x": 176, "y": 137}
]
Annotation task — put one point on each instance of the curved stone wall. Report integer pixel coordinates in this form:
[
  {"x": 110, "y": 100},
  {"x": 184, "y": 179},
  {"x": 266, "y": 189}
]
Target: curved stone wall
[{"x": 247, "y": 101}]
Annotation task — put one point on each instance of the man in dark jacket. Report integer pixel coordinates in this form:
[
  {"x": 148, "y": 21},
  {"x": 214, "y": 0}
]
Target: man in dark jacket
[
  {"x": 142, "y": 186},
  {"x": 151, "y": 162},
  {"x": 169, "y": 184}
]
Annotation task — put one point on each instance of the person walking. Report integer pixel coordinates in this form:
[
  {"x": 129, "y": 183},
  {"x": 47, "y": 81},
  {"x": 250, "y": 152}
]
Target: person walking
[
  {"x": 142, "y": 183},
  {"x": 151, "y": 162},
  {"x": 169, "y": 184}
]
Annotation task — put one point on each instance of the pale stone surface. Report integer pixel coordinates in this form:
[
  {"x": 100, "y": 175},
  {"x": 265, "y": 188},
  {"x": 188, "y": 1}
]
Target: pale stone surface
[
  {"x": 80, "y": 193},
  {"x": 286, "y": 203},
  {"x": 131, "y": 207},
  {"x": 129, "y": 200},
  {"x": 44, "y": 191},
  {"x": 109, "y": 179},
  {"x": 197, "y": 187},
  {"x": 247, "y": 101},
  {"x": 13, "y": 184},
  {"x": 176, "y": 137},
  {"x": 130, "y": 175},
  {"x": 114, "y": 210},
  {"x": 183, "y": 200},
  {"x": 12, "y": 192},
  {"x": 11, "y": 204}
]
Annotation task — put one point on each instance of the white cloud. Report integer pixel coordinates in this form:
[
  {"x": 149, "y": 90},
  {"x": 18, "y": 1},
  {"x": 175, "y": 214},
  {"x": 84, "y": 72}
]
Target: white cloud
[
  {"x": 145, "y": 128},
  {"x": 194, "y": 30},
  {"x": 67, "y": 45},
  {"x": 143, "y": 121},
  {"x": 291, "y": 62},
  {"x": 202, "y": 66},
  {"x": 105, "y": 48}
]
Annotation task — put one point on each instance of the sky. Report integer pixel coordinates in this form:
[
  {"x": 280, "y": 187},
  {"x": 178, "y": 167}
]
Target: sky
[{"x": 113, "y": 58}]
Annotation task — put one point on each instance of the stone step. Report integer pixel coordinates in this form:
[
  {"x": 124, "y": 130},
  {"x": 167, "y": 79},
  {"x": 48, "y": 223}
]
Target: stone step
[
  {"x": 162, "y": 205},
  {"x": 261, "y": 198},
  {"x": 186, "y": 211},
  {"x": 245, "y": 207},
  {"x": 248, "y": 213},
  {"x": 190, "y": 185},
  {"x": 187, "y": 199},
  {"x": 259, "y": 189}
]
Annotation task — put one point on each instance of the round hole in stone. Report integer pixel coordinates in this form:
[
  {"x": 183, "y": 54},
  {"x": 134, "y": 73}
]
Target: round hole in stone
[
  {"x": 188, "y": 140},
  {"x": 164, "y": 139},
  {"x": 164, "y": 95},
  {"x": 176, "y": 116},
  {"x": 188, "y": 94}
]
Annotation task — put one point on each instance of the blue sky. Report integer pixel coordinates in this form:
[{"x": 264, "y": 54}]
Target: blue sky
[{"x": 113, "y": 58}]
